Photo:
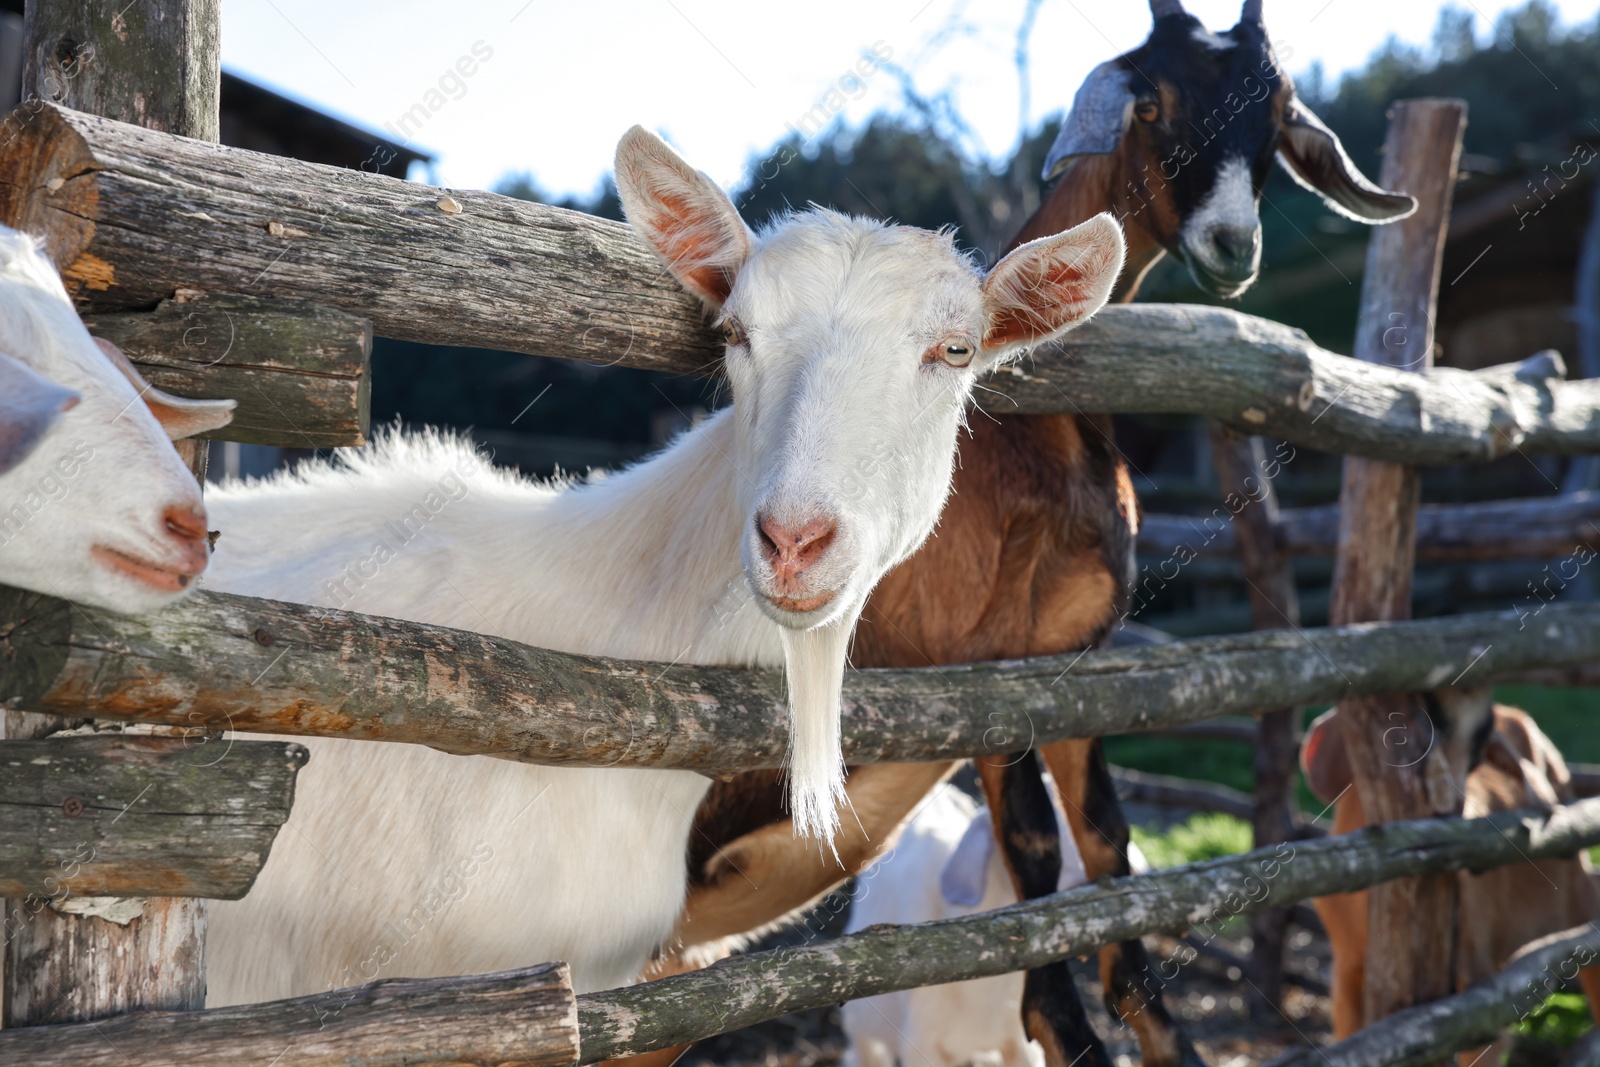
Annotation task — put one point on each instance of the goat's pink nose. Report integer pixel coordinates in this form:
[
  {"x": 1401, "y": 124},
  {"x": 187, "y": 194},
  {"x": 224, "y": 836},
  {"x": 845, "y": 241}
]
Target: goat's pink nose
[
  {"x": 791, "y": 550},
  {"x": 187, "y": 524}
]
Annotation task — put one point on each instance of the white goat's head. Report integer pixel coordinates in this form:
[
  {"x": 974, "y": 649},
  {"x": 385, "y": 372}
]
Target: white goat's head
[
  {"x": 95, "y": 504},
  {"x": 852, "y": 348}
]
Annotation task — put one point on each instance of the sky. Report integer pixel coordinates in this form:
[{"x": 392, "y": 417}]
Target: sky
[{"x": 496, "y": 87}]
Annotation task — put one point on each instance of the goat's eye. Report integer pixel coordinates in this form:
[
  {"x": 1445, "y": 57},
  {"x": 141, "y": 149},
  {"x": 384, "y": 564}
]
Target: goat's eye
[
  {"x": 732, "y": 332},
  {"x": 954, "y": 353},
  {"x": 1147, "y": 110}
]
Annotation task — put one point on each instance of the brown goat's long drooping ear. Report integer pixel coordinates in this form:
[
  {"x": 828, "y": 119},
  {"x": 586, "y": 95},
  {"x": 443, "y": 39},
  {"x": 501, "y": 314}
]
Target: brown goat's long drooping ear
[
  {"x": 179, "y": 416},
  {"x": 29, "y": 406},
  {"x": 1051, "y": 285},
  {"x": 1101, "y": 111},
  {"x": 682, "y": 214},
  {"x": 1313, "y": 156}
]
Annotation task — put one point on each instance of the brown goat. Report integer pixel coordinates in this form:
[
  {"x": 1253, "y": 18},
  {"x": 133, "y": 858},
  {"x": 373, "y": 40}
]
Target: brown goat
[
  {"x": 1507, "y": 763},
  {"x": 1034, "y": 553}
]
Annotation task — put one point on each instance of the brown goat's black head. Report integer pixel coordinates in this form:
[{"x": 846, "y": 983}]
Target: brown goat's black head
[{"x": 1194, "y": 119}]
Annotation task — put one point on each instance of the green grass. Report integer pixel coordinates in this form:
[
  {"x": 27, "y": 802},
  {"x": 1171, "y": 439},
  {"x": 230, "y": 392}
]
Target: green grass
[
  {"x": 1560, "y": 1020},
  {"x": 1205, "y": 836}
]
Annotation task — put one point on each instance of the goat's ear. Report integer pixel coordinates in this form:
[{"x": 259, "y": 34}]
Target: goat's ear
[
  {"x": 1101, "y": 112},
  {"x": 682, "y": 214},
  {"x": 1323, "y": 758},
  {"x": 1314, "y": 157},
  {"x": 178, "y": 416},
  {"x": 1048, "y": 286},
  {"x": 29, "y": 406}
]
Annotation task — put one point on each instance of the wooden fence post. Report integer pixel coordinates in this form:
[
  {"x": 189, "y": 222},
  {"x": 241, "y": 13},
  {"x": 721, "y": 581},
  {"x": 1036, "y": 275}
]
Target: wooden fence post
[
  {"x": 1411, "y": 923},
  {"x": 156, "y": 63},
  {"x": 1244, "y": 473}
]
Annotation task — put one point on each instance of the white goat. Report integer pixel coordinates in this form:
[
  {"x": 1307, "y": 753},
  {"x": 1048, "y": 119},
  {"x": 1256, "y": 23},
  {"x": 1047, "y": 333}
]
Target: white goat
[
  {"x": 76, "y": 420},
  {"x": 753, "y": 539},
  {"x": 944, "y": 866}
]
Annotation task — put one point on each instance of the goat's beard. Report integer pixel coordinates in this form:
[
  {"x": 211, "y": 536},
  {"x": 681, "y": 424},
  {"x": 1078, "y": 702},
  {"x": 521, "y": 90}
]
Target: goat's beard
[{"x": 814, "y": 662}]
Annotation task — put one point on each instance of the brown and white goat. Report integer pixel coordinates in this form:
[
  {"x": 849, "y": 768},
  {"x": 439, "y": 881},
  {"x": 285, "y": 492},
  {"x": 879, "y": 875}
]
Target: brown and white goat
[
  {"x": 1033, "y": 555},
  {"x": 1501, "y": 761}
]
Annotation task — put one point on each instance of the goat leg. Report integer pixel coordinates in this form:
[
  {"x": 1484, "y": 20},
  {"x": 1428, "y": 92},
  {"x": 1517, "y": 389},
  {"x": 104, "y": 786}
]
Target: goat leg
[{"x": 1025, "y": 827}]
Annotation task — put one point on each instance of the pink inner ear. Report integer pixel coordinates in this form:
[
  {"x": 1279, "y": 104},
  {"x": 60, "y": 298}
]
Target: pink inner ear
[
  {"x": 690, "y": 241},
  {"x": 1038, "y": 300}
]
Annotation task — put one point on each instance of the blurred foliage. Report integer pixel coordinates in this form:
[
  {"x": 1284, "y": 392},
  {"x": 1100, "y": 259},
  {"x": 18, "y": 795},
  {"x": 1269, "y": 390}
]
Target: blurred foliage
[
  {"x": 1561, "y": 1019},
  {"x": 1204, "y": 836}
]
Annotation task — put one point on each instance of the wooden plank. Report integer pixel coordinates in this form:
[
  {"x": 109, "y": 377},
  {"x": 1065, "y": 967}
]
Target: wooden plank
[
  {"x": 1244, "y": 476},
  {"x": 499, "y": 273},
  {"x": 527, "y": 1017},
  {"x": 1411, "y": 923},
  {"x": 156, "y": 63},
  {"x": 300, "y": 372},
  {"x": 1475, "y": 1017},
  {"x": 762, "y": 985},
  {"x": 235, "y": 662},
  {"x": 1550, "y": 527},
  {"x": 506, "y": 274},
  {"x": 121, "y": 815}
]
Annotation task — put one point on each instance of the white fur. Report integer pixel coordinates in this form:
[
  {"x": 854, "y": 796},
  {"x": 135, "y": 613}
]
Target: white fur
[
  {"x": 104, "y": 474},
  {"x": 1230, "y": 203},
  {"x": 1214, "y": 41},
  {"x": 974, "y": 1022},
  {"x": 401, "y": 860}
]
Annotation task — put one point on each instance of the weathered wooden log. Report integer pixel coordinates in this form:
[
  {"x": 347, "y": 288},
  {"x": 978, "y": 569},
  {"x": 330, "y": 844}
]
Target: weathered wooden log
[
  {"x": 120, "y": 815},
  {"x": 156, "y": 64},
  {"x": 1553, "y": 527},
  {"x": 524, "y": 1017},
  {"x": 232, "y": 662},
  {"x": 433, "y": 265},
  {"x": 559, "y": 283},
  {"x": 1476, "y": 1016},
  {"x": 744, "y": 990},
  {"x": 1170, "y": 791},
  {"x": 300, "y": 372},
  {"x": 1411, "y": 924}
]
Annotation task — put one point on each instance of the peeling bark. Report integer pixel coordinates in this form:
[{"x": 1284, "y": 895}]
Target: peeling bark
[
  {"x": 744, "y": 990},
  {"x": 1476, "y": 1016},
  {"x": 231, "y": 662},
  {"x": 139, "y": 816},
  {"x": 525, "y": 1018},
  {"x": 560, "y": 283}
]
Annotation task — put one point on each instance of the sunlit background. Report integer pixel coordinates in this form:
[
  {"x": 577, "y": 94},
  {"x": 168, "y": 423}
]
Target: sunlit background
[{"x": 725, "y": 80}]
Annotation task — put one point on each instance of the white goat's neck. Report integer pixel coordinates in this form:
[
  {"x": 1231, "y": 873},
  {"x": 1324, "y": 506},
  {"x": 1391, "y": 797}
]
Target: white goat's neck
[{"x": 641, "y": 564}]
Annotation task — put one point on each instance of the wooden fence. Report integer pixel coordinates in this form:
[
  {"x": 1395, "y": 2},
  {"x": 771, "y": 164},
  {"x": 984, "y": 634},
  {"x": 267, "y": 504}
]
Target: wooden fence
[{"x": 330, "y": 257}]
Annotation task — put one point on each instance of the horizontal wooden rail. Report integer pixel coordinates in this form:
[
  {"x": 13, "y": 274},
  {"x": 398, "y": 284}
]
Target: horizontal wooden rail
[
  {"x": 1536, "y": 528},
  {"x": 524, "y": 1017},
  {"x": 1476, "y": 1016},
  {"x": 300, "y": 372},
  {"x": 748, "y": 989},
  {"x": 121, "y": 208},
  {"x": 233, "y": 662},
  {"x": 119, "y": 815},
  {"x": 1170, "y": 791}
]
